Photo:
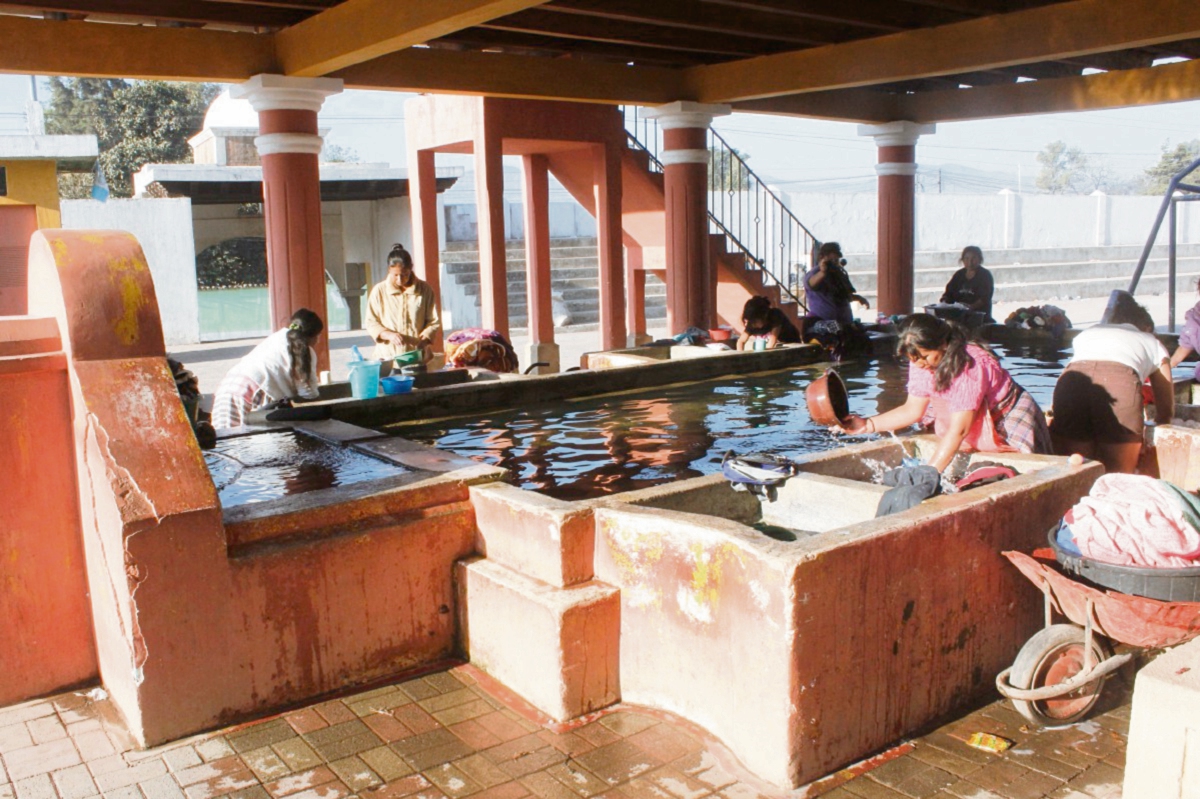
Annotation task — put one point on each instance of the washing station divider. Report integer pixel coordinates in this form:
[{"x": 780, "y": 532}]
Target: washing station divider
[{"x": 801, "y": 655}]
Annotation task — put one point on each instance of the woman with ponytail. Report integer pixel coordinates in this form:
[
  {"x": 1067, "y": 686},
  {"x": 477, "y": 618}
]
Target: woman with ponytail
[
  {"x": 974, "y": 404},
  {"x": 282, "y": 367},
  {"x": 402, "y": 311}
]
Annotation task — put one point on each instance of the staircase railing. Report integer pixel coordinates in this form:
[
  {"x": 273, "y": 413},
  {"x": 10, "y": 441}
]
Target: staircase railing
[
  {"x": 742, "y": 208},
  {"x": 1177, "y": 191}
]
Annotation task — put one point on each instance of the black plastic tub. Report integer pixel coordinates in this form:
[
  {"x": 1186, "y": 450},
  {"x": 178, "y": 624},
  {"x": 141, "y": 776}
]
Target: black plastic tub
[{"x": 1168, "y": 585}]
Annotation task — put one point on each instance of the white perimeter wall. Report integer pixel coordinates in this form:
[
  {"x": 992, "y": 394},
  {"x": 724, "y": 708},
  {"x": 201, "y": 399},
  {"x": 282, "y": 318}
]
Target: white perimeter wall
[
  {"x": 996, "y": 221},
  {"x": 164, "y": 228}
]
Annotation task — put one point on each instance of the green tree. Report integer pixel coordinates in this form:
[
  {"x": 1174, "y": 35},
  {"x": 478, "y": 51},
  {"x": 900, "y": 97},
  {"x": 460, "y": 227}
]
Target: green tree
[
  {"x": 136, "y": 123},
  {"x": 1155, "y": 179},
  {"x": 727, "y": 170},
  {"x": 1065, "y": 170}
]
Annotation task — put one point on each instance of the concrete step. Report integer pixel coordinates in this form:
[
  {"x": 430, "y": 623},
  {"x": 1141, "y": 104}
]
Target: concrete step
[
  {"x": 511, "y": 244},
  {"x": 1043, "y": 272},
  {"x": 584, "y": 257},
  {"x": 1050, "y": 290}
]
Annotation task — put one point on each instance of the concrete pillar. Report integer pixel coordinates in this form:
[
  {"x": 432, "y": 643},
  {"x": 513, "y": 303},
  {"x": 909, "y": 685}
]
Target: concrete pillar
[
  {"x": 423, "y": 204},
  {"x": 1010, "y": 218},
  {"x": 635, "y": 303},
  {"x": 1101, "y": 217},
  {"x": 607, "y": 188},
  {"x": 897, "y": 143},
  {"x": 691, "y": 281},
  {"x": 289, "y": 146},
  {"x": 537, "y": 264},
  {"x": 489, "y": 202}
]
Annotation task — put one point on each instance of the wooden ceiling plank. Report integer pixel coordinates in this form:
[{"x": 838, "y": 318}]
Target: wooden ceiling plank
[
  {"x": 1168, "y": 83},
  {"x": 360, "y": 30},
  {"x": 879, "y": 16},
  {"x": 227, "y": 13},
  {"x": 628, "y": 34},
  {"x": 751, "y": 24},
  {"x": 517, "y": 42},
  {"x": 501, "y": 75},
  {"x": 92, "y": 49},
  {"x": 1064, "y": 30}
]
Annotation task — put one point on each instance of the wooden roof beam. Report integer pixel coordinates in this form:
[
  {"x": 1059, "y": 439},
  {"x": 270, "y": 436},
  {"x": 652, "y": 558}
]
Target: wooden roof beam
[
  {"x": 94, "y": 49},
  {"x": 502, "y": 75},
  {"x": 1168, "y": 83},
  {"x": 357, "y": 31},
  {"x": 1058, "y": 31}
]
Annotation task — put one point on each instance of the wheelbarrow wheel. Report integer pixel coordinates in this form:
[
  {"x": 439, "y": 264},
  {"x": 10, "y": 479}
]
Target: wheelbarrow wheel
[{"x": 1055, "y": 655}]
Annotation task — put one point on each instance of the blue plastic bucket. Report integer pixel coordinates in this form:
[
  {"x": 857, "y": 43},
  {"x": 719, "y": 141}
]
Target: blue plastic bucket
[{"x": 364, "y": 379}]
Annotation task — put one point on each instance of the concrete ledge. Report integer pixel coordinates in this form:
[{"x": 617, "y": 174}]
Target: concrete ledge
[
  {"x": 556, "y": 647},
  {"x": 1178, "y": 450},
  {"x": 541, "y": 537},
  {"x": 1163, "y": 759}
]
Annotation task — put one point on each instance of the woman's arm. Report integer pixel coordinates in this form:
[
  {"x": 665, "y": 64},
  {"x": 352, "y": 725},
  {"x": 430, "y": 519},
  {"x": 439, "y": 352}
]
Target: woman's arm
[
  {"x": 743, "y": 339},
  {"x": 911, "y": 412},
  {"x": 1180, "y": 353},
  {"x": 1163, "y": 386},
  {"x": 773, "y": 337},
  {"x": 948, "y": 444}
]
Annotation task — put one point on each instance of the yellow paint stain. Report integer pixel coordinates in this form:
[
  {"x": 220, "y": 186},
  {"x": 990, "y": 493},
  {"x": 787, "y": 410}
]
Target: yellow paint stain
[
  {"x": 132, "y": 300},
  {"x": 708, "y": 564}
]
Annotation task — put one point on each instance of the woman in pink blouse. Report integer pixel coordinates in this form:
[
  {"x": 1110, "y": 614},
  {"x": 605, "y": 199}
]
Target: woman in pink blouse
[{"x": 974, "y": 404}]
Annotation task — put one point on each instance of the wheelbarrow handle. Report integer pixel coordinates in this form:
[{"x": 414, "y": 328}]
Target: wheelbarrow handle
[{"x": 1102, "y": 669}]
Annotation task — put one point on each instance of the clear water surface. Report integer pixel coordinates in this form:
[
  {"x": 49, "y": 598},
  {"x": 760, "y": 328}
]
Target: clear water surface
[
  {"x": 265, "y": 466},
  {"x": 579, "y": 449}
]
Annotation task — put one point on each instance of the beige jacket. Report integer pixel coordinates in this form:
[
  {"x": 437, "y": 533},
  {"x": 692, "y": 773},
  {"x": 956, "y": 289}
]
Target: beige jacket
[{"x": 411, "y": 312}]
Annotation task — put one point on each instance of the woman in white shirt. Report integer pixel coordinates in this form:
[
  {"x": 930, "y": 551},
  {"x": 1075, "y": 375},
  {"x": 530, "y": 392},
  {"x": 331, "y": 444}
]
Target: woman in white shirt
[
  {"x": 1098, "y": 404},
  {"x": 281, "y": 367}
]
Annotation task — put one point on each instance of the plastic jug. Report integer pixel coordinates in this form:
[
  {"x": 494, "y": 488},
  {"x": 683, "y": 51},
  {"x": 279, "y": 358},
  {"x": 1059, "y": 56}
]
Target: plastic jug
[{"x": 364, "y": 379}]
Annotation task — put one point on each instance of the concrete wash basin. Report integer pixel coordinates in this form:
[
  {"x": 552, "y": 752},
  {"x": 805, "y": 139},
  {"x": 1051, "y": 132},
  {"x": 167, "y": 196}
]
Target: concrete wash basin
[{"x": 806, "y": 655}]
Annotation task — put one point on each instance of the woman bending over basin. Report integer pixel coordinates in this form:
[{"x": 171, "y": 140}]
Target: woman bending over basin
[
  {"x": 1098, "y": 403},
  {"x": 956, "y": 383},
  {"x": 283, "y": 366}
]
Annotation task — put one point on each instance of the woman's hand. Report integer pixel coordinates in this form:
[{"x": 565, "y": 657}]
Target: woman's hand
[
  {"x": 853, "y": 425},
  {"x": 861, "y": 300}
]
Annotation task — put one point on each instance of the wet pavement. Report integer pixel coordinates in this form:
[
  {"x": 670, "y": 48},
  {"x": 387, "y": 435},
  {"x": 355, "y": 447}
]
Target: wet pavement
[{"x": 456, "y": 733}]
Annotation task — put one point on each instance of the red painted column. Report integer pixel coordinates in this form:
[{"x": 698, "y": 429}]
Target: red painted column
[
  {"x": 691, "y": 281},
  {"x": 607, "y": 187},
  {"x": 894, "y": 251},
  {"x": 537, "y": 263},
  {"x": 422, "y": 203},
  {"x": 635, "y": 304},
  {"x": 289, "y": 146},
  {"x": 489, "y": 204}
]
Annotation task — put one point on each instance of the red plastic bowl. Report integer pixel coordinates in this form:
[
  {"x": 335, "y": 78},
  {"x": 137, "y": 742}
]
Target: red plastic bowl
[
  {"x": 720, "y": 334},
  {"x": 828, "y": 402}
]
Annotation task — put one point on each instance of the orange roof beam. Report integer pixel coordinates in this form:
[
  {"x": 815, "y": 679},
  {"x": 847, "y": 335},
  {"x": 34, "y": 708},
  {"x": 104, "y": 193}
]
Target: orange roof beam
[
  {"x": 1058, "y": 31},
  {"x": 362, "y": 30},
  {"x": 95, "y": 49},
  {"x": 502, "y": 75}
]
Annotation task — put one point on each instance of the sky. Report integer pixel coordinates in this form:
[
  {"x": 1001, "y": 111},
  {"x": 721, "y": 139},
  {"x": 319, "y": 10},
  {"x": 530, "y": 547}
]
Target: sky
[{"x": 804, "y": 154}]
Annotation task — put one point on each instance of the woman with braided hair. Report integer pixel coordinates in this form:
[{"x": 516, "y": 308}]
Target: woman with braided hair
[{"x": 282, "y": 367}]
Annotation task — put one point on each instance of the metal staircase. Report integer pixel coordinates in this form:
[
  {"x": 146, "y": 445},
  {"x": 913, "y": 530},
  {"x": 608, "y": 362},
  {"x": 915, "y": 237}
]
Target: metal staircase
[{"x": 741, "y": 208}]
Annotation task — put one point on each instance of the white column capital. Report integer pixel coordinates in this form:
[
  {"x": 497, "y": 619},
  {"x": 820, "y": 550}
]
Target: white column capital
[
  {"x": 686, "y": 114},
  {"x": 896, "y": 134},
  {"x": 285, "y": 93}
]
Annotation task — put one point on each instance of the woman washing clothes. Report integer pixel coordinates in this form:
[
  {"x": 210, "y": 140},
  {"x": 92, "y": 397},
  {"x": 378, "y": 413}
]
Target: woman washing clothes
[
  {"x": 974, "y": 403},
  {"x": 761, "y": 320},
  {"x": 283, "y": 366},
  {"x": 1098, "y": 404}
]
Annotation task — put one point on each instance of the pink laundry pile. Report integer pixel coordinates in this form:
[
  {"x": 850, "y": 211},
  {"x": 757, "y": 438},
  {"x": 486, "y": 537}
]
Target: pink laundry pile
[{"x": 1132, "y": 520}]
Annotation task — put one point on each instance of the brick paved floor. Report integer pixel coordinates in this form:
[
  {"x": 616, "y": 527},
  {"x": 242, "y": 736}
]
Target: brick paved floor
[{"x": 456, "y": 734}]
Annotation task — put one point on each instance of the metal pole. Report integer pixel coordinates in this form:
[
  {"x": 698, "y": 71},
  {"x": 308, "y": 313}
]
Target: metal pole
[{"x": 1171, "y": 269}]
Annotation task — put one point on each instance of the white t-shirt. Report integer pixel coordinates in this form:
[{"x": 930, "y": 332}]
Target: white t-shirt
[
  {"x": 269, "y": 365},
  {"x": 1123, "y": 344}
]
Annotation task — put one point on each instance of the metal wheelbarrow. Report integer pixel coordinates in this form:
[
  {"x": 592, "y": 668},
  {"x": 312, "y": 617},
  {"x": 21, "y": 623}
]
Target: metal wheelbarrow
[{"x": 1060, "y": 672}]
